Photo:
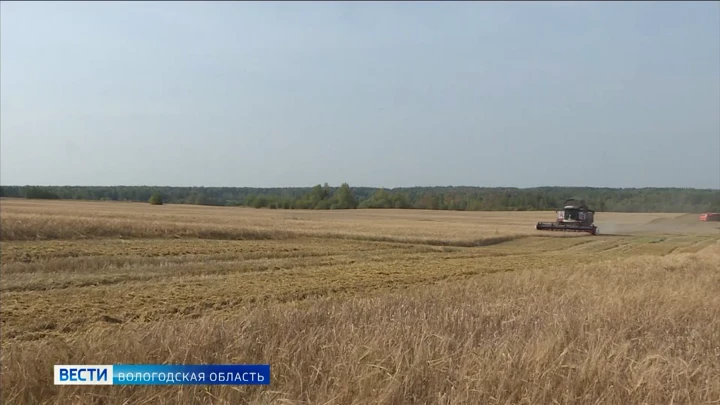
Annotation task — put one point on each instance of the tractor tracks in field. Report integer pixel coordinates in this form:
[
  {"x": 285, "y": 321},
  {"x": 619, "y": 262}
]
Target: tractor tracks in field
[
  {"x": 514, "y": 254},
  {"x": 26, "y": 282}
]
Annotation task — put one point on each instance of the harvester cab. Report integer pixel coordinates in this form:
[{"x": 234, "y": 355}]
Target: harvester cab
[{"x": 574, "y": 217}]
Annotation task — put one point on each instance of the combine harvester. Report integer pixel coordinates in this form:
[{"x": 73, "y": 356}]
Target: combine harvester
[
  {"x": 710, "y": 217},
  {"x": 574, "y": 217}
]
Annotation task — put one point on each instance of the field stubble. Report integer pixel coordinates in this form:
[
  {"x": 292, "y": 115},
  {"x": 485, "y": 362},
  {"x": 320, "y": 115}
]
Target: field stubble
[{"x": 359, "y": 307}]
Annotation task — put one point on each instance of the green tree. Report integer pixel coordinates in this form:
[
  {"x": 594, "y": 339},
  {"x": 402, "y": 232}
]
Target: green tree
[
  {"x": 156, "y": 199},
  {"x": 344, "y": 198}
]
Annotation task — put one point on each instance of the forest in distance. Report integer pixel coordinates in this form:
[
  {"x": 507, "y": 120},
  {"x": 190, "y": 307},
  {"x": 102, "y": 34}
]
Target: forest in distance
[{"x": 433, "y": 198}]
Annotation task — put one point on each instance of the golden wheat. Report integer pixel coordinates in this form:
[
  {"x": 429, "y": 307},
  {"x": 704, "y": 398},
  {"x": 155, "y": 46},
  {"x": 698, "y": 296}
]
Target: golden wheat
[{"x": 360, "y": 307}]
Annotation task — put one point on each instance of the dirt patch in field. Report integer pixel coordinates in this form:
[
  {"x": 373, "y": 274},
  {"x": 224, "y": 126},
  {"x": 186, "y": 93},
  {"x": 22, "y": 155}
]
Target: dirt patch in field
[{"x": 682, "y": 224}]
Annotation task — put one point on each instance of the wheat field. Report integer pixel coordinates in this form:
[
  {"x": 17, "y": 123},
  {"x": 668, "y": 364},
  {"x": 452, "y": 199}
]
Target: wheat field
[{"x": 361, "y": 306}]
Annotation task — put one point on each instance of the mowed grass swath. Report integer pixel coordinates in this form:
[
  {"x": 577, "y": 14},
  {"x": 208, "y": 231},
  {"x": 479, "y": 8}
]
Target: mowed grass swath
[{"x": 361, "y": 307}]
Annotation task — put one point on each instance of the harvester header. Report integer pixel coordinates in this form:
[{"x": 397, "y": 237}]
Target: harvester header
[{"x": 575, "y": 216}]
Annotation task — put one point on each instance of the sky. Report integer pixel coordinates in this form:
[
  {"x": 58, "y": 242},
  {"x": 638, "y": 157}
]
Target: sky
[{"x": 377, "y": 94}]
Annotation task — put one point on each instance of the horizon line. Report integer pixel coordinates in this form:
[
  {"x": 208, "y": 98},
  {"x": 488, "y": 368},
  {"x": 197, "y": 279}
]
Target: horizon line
[{"x": 378, "y": 187}]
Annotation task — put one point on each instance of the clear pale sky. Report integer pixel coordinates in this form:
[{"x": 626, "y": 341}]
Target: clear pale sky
[{"x": 614, "y": 94}]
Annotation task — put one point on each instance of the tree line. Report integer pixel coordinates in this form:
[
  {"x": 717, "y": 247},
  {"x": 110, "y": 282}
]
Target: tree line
[{"x": 433, "y": 198}]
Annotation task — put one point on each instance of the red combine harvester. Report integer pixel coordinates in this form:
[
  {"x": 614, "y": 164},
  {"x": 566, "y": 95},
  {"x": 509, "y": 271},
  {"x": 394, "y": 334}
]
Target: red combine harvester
[
  {"x": 710, "y": 217},
  {"x": 574, "y": 217}
]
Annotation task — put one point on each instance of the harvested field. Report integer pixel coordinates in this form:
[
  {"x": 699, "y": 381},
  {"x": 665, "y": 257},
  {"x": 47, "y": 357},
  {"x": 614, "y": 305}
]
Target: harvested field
[{"x": 362, "y": 306}]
